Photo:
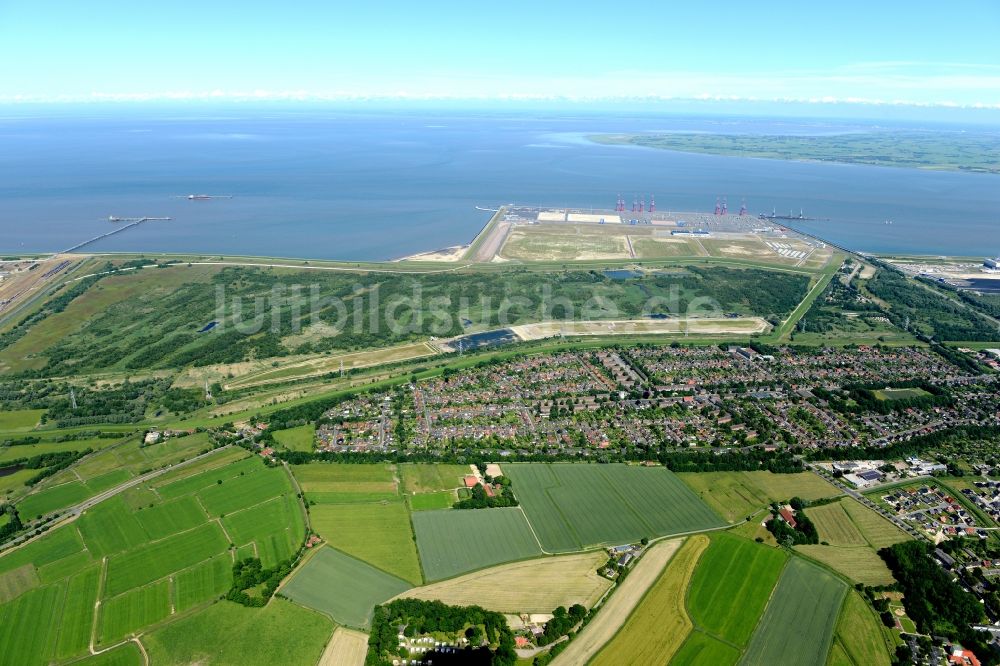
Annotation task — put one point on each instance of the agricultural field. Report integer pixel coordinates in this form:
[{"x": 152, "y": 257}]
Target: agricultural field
[
  {"x": 432, "y": 501},
  {"x": 859, "y": 639},
  {"x": 454, "y": 542},
  {"x": 335, "y": 483},
  {"x": 619, "y": 606},
  {"x": 301, "y": 438},
  {"x": 126, "y": 654},
  {"x": 575, "y": 506},
  {"x": 525, "y": 587},
  {"x": 20, "y": 419},
  {"x": 700, "y": 649},
  {"x": 854, "y": 534},
  {"x": 421, "y": 478},
  {"x": 731, "y": 586},
  {"x": 377, "y": 533},
  {"x": 798, "y": 624},
  {"x": 658, "y": 626},
  {"x": 164, "y": 556},
  {"x": 735, "y": 495},
  {"x": 342, "y": 587},
  {"x": 234, "y": 635},
  {"x": 346, "y": 648},
  {"x": 124, "y": 614},
  {"x": 53, "y": 498}
]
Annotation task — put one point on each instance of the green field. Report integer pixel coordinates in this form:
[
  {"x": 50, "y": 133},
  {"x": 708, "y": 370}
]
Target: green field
[
  {"x": 900, "y": 393},
  {"x": 20, "y": 419},
  {"x": 335, "y": 483},
  {"x": 859, "y": 639},
  {"x": 702, "y": 650},
  {"x": 29, "y": 626},
  {"x": 168, "y": 518},
  {"x": 428, "y": 478},
  {"x": 17, "y": 581},
  {"x": 731, "y": 586},
  {"x": 736, "y": 495},
  {"x": 302, "y": 438},
  {"x": 133, "y": 610},
  {"x": 78, "y": 613},
  {"x": 571, "y": 506},
  {"x": 227, "y": 634},
  {"x": 453, "y": 542},
  {"x": 203, "y": 582},
  {"x": 343, "y": 587},
  {"x": 798, "y": 624},
  {"x": 53, "y": 499},
  {"x": 379, "y": 534},
  {"x": 431, "y": 501},
  {"x": 158, "y": 559},
  {"x": 854, "y": 534},
  {"x": 243, "y": 492},
  {"x": 110, "y": 527}
]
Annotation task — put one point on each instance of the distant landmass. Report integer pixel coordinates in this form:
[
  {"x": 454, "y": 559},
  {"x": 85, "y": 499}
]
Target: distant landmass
[{"x": 944, "y": 151}]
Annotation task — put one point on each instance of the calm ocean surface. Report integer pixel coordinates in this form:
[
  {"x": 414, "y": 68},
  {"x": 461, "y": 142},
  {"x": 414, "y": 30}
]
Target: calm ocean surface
[{"x": 346, "y": 185}]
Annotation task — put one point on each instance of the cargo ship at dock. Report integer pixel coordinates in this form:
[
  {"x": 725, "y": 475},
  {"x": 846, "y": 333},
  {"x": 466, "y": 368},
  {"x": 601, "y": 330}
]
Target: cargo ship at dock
[{"x": 801, "y": 217}]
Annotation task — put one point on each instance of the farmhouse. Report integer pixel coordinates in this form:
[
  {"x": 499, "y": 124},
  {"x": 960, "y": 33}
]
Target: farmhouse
[{"x": 788, "y": 516}]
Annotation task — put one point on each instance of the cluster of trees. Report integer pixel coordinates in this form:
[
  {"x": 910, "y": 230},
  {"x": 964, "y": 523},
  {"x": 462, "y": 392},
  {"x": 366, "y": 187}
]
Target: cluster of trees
[
  {"x": 928, "y": 311},
  {"x": 249, "y": 574},
  {"x": 915, "y": 446},
  {"x": 504, "y": 496},
  {"x": 13, "y": 524},
  {"x": 802, "y": 534},
  {"x": 50, "y": 463},
  {"x": 418, "y": 617},
  {"x": 562, "y": 623},
  {"x": 938, "y": 605},
  {"x": 862, "y": 397},
  {"x": 743, "y": 460}
]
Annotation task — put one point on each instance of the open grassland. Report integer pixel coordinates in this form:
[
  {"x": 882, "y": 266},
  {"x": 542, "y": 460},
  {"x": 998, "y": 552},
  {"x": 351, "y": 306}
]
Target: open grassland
[
  {"x": 619, "y": 606},
  {"x": 658, "y": 626},
  {"x": 573, "y": 506},
  {"x": 859, "y": 639},
  {"x": 51, "y": 499},
  {"x": 170, "y": 556},
  {"x": 878, "y": 532},
  {"x": 736, "y": 495},
  {"x": 700, "y": 649},
  {"x": 343, "y": 587},
  {"x": 835, "y": 526},
  {"x": 378, "y": 533},
  {"x": 184, "y": 482},
  {"x": 301, "y": 438},
  {"x": 227, "y": 634},
  {"x": 249, "y": 374},
  {"x": 336, "y": 483},
  {"x": 798, "y": 625},
  {"x": 731, "y": 586},
  {"x": 243, "y": 492},
  {"x": 29, "y": 626},
  {"x": 429, "y": 478},
  {"x": 110, "y": 528},
  {"x": 203, "y": 582},
  {"x": 531, "y": 586},
  {"x": 453, "y": 542},
  {"x": 17, "y": 581},
  {"x": 158, "y": 559},
  {"x": 432, "y": 501},
  {"x": 346, "y": 648},
  {"x": 20, "y": 419},
  {"x": 133, "y": 610},
  {"x": 859, "y": 563}
]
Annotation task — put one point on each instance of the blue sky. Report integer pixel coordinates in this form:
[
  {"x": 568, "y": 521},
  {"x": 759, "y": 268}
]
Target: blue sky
[{"x": 917, "y": 52}]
